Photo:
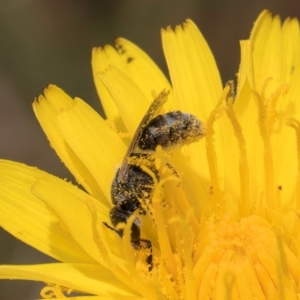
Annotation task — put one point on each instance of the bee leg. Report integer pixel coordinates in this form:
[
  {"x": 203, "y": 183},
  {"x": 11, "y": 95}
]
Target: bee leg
[
  {"x": 119, "y": 232},
  {"x": 173, "y": 170},
  {"x": 146, "y": 244},
  {"x": 138, "y": 243},
  {"x": 117, "y": 216}
]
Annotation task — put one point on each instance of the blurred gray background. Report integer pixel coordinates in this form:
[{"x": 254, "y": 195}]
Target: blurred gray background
[{"x": 50, "y": 41}]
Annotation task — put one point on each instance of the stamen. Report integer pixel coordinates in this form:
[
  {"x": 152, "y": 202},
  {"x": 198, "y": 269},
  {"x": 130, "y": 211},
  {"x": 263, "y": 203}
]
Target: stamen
[
  {"x": 243, "y": 161},
  {"x": 167, "y": 255},
  {"x": 185, "y": 248},
  {"x": 217, "y": 195},
  {"x": 163, "y": 236},
  {"x": 54, "y": 291},
  {"x": 128, "y": 250},
  {"x": 267, "y": 117},
  {"x": 112, "y": 125},
  {"x": 268, "y": 155},
  {"x": 179, "y": 198},
  {"x": 97, "y": 238},
  {"x": 140, "y": 285},
  {"x": 295, "y": 124},
  {"x": 102, "y": 245},
  {"x": 167, "y": 284},
  {"x": 180, "y": 280},
  {"x": 120, "y": 267},
  {"x": 182, "y": 202}
]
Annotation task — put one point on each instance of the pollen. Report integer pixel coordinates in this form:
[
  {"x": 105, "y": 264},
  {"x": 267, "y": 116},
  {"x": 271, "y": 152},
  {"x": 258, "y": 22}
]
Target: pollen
[{"x": 243, "y": 258}]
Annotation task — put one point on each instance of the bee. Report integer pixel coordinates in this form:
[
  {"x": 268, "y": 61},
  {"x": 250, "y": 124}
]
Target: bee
[{"x": 132, "y": 186}]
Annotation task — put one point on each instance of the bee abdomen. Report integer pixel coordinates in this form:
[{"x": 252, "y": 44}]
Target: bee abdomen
[{"x": 171, "y": 129}]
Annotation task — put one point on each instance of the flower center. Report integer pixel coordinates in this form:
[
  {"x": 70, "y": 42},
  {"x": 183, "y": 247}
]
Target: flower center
[{"x": 243, "y": 258}]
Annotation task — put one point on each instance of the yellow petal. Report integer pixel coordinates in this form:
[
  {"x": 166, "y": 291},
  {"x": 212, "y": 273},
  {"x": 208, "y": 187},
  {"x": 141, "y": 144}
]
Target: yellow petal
[
  {"x": 88, "y": 135},
  {"x": 135, "y": 63},
  {"x": 101, "y": 59},
  {"x": 46, "y": 110},
  {"x": 194, "y": 74},
  {"x": 246, "y": 111},
  {"x": 27, "y": 218},
  {"x": 276, "y": 71},
  {"x": 245, "y": 76},
  {"x": 147, "y": 76},
  {"x": 131, "y": 102},
  {"x": 87, "y": 278},
  {"x": 291, "y": 47},
  {"x": 276, "y": 63},
  {"x": 267, "y": 61},
  {"x": 291, "y": 104},
  {"x": 79, "y": 213},
  {"x": 197, "y": 88}
]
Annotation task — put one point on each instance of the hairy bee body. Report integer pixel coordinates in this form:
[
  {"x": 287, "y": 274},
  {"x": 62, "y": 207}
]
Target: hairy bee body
[
  {"x": 170, "y": 130},
  {"x": 132, "y": 186}
]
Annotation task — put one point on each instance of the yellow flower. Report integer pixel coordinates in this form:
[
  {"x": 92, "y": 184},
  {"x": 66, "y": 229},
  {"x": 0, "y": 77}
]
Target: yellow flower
[{"x": 224, "y": 223}]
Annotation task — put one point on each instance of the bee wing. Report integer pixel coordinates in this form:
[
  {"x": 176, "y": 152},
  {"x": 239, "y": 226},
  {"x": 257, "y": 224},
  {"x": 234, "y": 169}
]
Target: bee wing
[{"x": 153, "y": 110}]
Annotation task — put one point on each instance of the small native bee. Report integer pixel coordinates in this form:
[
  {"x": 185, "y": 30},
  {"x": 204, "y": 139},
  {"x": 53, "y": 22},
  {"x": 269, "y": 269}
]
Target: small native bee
[{"x": 133, "y": 187}]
